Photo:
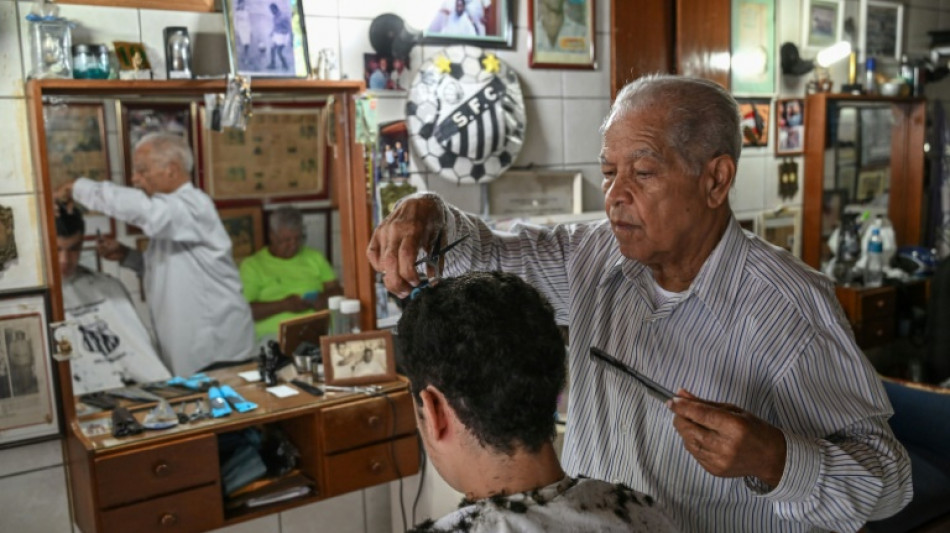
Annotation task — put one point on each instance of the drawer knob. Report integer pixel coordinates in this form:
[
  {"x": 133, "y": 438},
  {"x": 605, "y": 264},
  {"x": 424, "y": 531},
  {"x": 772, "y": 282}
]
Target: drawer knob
[
  {"x": 373, "y": 421},
  {"x": 168, "y": 519},
  {"x": 162, "y": 469},
  {"x": 880, "y": 304},
  {"x": 879, "y": 332},
  {"x": 376, "y": 467}
]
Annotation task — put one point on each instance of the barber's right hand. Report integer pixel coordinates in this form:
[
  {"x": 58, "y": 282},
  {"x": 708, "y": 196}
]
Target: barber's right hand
[
  {"x": 112, "y": 249},
  {"x": 394, "y": 247}
]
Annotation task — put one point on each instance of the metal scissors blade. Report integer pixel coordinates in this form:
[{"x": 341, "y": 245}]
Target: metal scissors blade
[{"x": 436, "y": 253}]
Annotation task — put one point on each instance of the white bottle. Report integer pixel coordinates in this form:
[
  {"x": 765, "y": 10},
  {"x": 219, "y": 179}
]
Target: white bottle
[
  {"x": 874, "y": 269},
  {"x": 349, "y": 317}
]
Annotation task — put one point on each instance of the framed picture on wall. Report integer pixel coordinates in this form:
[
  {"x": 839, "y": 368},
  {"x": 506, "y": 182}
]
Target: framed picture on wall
[
  {"x": 76, "y": 142},
  {"x": 790, "y": 126},
  {"x": 822, "y": 23},
  {"x": 754, "y": 116},
  {"x": 358, "y": 358},
  {"x": 245, "y": 226},
  {"x": 484, "y": 23},
  {"x": 561, "y": 34},
  {"x": 882, "y": 28},
  {"x": 753, "y": 45},
  {"x": 267, "y": 38},
  {"x": 536, "y": 193},
  {"x": 28, "y": 408}
]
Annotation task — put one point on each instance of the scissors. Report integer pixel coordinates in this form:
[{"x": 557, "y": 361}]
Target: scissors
[{"x": 432, "y": 259}]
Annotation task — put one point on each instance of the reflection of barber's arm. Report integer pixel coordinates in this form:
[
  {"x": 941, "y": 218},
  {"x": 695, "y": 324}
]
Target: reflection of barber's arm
[{"x": 163, "y": 216}]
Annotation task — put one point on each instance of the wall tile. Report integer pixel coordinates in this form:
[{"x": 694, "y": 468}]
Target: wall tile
[
  {"x": 354, "y": 45},
  {"x": 321, "y": 8},
  {"x": 602, "y": 16},
  {"x": 322, "y": 32},
  {"x": 588, "y": 83},
  {"x": 16, "y": 167},
  {"x": 30, "y": 457},
  {"x": 593, "y": 194},
  {"x": 544, "y": 144},
  {"x": 35, "y": 502},
  {"x": 919, "y": 22},
  {"x": 932, "y": 4},
  {"x": 200, "y": 25},
  {"x": 376, "y": 502},
  {"x": 747, "y": 192},
  {"x": 267, "y": 524},
  {"x": 11, "y": 58},
  {"x": 467, "y": 197},
  {"x": 342, "y": 514},
  {"x": 582, "y": 119},
  {"x": 534, "y": 82}
]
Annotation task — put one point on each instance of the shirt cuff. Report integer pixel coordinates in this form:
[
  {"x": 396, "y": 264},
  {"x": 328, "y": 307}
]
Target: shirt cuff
[
  {"x": 802, "y": 469},
  {"x": 82, "y": 189}
]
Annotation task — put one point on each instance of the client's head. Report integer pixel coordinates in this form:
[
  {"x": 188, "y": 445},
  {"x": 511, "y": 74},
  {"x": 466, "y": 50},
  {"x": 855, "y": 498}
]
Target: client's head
[
  {"x": 70, "y": 228},
  {"x": 482, "y": 349}
]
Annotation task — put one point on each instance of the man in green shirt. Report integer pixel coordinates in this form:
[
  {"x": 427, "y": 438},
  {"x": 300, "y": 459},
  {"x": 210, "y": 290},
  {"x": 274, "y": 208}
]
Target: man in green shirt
[{"x": 286, "y": 279}]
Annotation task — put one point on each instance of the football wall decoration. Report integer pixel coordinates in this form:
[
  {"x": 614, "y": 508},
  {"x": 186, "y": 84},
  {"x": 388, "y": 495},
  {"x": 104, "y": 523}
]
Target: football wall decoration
[{"x": 466, "y": 115}]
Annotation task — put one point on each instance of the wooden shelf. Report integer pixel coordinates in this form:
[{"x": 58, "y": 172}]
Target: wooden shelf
[
  {"x": 206, "y": 6},
  {"x": 173, "y": 87}
]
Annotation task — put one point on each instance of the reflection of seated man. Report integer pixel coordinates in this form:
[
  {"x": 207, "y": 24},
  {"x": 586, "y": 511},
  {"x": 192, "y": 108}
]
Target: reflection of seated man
[
  {"x": 494, "y": 332},
  {"x": 454, "y": 19},
  {"x": 279, "y": 276},
  {"x": 359, "y": 363},
  {"x": 22, "y": 363},
  {"x": 115, "y": 348}
]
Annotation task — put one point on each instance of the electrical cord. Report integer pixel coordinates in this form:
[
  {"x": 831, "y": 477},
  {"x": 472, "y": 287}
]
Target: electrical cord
[{"x": 392, "y": 453}]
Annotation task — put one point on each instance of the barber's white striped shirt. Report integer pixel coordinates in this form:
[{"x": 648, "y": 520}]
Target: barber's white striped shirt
[{"x": 757, "y": 329}]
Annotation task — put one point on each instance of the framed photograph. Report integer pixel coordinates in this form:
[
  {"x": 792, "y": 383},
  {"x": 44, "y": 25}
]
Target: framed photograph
[
  {"x": 561, "y": 34},
  {"x": 822, "y": 23},
  {"x": 21, "y": 243},
  {"x": 308, "y": 328},
  {"x": 385, "y": 73},
  {"x": 266, "y": 38},
  {"x": 133, "y": 61},
  {"x": 790, "y": 126},
  {"x": 140, "y": 119},
  {"x": 754, "y": 116},
  {"x": 281, "y": 154},
  {"x": 484, "y": 23},
  {"x": 76, "y": 144},
  {"x": 783, "y": 229},
  {"x": 245, "y": 226},
  {"x": 536, "y": 193},
  {"x": 358, "y": 358},
  {"x": 871, "y": 184},
  {"x": 28, "y": 409},
  {"x": 753, "y": 45},
  {"x": 882, "y": 29},
  {"x": 833, "y": 203}
]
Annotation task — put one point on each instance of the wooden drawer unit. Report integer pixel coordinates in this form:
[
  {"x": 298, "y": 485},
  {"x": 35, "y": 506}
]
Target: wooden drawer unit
[
  {"x": 871, "y": 313},
  {"x": 874, "y": 333},
  {"x": 371, "y": 465},
  {"x": 140, "y": 474},
  {"x": 190, "y": 511},
  {"x": 368, "y": 421}
]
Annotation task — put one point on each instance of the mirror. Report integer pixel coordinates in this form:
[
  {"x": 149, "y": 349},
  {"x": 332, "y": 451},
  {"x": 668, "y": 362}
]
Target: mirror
[{"x": 281, "y": 160}]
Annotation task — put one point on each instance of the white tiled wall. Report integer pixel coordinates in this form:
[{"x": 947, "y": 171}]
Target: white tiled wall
[{"x": 564, "y": 109}]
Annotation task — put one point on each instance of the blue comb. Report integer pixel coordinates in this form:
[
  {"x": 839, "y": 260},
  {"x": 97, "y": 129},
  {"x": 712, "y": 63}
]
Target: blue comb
[
  {"x": 219, "y": 406},
  {"x": 236, "y": 400}
]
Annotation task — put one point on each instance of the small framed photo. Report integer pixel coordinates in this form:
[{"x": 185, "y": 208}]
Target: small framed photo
[
  {"x": 561, "y": 34},
  {"x": 484, "y": 23},
  {"x": 267, "y": 38},
  {"x": 790, "y": 126},
  {"x": 754, "y": 116},
  {"x": 536, "y": 193},
  {"x": 28, "y": 409},
  {"x": 245, "y": 226},
  {"x": 822, "y": 23},
  {"x": 882, "y": 29},
  {"x": 133, "y": 61},
  {"x": 385, "y": 73},
  {"x": 295, "y": 331},
  {"x": 358, "y": 358}
]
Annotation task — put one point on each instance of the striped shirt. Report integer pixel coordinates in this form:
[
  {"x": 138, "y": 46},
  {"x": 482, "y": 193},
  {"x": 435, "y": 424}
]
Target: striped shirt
[{"x": 757, "y": 329}]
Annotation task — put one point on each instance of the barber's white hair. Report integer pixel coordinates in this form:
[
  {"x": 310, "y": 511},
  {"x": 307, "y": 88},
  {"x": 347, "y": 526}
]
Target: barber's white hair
[
  {"x": 288, "y": 217},
  {"x": 702, "y": 117},
  {"x": 168, "y": 147}
]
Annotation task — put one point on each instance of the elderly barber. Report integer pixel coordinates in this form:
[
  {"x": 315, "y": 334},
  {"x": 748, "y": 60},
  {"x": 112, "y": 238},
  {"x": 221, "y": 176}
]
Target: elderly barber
[
  {"x": 192, "y": 286},
  {"x": 779, "y": 422}
]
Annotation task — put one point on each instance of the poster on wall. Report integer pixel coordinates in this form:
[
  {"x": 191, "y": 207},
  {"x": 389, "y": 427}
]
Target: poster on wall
[
  {"x": 561, "y": 34},
  {"x": 21, "y": 262},
  {"x": 75, "y": 142},
  {"x": 753, "y": 45},
  {"x": 754, "y": 116}
]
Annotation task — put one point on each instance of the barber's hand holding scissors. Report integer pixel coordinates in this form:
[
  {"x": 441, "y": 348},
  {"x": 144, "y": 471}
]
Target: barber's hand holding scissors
[
  {"x": 394, "y": 247},
  {"x": 111, "y": 249},
  {"x": 728, "y": 441}
]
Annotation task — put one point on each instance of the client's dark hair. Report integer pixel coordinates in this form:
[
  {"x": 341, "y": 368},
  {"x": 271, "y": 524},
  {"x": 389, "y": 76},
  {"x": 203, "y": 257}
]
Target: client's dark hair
[
  {"x": 69, "y": 222},
  {"x": 488, "y": 341}
]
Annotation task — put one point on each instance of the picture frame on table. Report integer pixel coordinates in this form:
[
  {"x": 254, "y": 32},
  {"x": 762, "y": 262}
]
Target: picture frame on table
[
  {"x": 882, "y": 29},
  {"x": 267, "y": 38},
  {"x": 28, "y": 406},
  {"x": 245, "y": 226},
  {"x": 358, "y": 358},
  {"x": 536, "y": 193},
  {"x": 822, "y": 23},
  {"x": 486, "y": 23},
  {"x": 754, "y": 116},
  {"x": 561, "y": 34},
  {"x": 790, "y": 126},
  {"x": 282, "y": 154},
  {"x": 76, "y": 142}
]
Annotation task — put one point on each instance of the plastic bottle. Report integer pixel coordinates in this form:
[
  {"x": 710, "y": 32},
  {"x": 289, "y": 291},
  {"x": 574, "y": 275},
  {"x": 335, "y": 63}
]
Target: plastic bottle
[
  {"x": 333, "y": 304},
  {"x": 349, "y": 317},
  {"x": 907, "y": 73},
  {"x": 870, "y": 76},
  {"x": 874, "y": 269}
]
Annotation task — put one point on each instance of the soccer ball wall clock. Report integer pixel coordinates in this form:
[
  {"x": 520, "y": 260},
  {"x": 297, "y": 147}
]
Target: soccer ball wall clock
[{"x": 466, "y": 115}]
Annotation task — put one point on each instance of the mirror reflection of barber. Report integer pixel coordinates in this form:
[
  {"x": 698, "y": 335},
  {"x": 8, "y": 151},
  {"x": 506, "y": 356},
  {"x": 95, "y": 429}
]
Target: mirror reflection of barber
[{"x": 286, "y": 279}]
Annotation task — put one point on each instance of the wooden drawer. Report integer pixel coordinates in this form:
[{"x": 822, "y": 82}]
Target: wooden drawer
[
  {"x": 371, "y": 465},
  {"x": 876, "y": 305},
  {"x": 360, "y": 423},
  {"x": 189, "y": 511},
  {"x": 137, "y": 475},
  {"x": 874, "y": 333}
]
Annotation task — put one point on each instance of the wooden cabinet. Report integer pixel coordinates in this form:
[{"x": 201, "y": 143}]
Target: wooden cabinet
[{"x": 871, "y": 312}]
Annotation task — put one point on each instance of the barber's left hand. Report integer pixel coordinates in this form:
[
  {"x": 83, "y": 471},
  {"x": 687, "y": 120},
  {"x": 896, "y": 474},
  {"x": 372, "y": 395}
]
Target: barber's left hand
[
  {"x": 728, "y": 441},
  {"x": 64, "y": 193}
]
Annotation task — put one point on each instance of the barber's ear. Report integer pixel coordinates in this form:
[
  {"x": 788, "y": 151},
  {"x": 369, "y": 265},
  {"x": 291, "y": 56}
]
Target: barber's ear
[
  {"x": 436, "y": 413},
  {"x": 717, "y": 179}
]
